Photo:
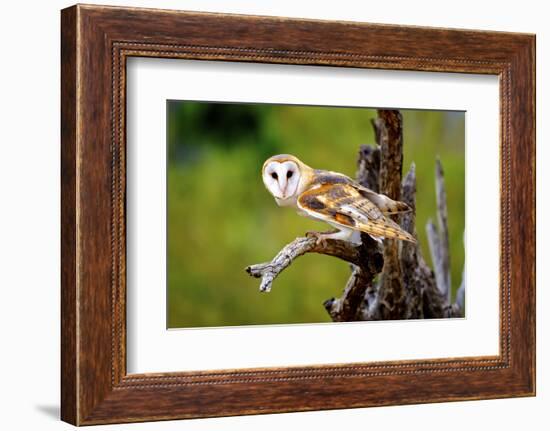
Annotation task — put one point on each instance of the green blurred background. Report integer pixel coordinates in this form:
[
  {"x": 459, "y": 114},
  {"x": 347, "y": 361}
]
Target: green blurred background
[{"x": 222, "y": 219}]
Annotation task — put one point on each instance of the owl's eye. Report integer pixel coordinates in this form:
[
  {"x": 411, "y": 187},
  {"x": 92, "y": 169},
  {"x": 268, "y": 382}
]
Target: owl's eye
[
  {"x": 274, "y": 175},
  {"x": 289, "y": 174}
]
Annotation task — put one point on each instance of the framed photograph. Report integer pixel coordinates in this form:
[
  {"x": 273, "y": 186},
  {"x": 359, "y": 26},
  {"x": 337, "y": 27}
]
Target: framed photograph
[{"x": 263, "y": 214}]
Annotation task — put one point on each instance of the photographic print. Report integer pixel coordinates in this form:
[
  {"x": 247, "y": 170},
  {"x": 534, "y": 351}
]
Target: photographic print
[{"x": 354, "y": 214}]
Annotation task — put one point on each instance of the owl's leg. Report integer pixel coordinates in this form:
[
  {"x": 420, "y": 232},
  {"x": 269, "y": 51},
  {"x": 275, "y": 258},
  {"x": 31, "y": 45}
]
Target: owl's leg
[
  {"x": 341, "y": 234},
  {"x": 320, "y": 236}
]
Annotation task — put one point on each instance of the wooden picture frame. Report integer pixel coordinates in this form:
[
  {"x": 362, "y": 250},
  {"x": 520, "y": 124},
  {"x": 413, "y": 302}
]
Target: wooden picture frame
[{"x": 95, "y": 43}]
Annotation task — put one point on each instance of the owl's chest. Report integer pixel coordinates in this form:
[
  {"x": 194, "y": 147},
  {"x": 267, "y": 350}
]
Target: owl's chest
[{"x": 288, "y": 202}]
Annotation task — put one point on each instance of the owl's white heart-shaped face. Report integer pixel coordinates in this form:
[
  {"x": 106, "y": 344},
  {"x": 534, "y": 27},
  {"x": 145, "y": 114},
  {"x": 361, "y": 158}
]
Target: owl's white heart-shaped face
[{"x": 281, "y": 179}]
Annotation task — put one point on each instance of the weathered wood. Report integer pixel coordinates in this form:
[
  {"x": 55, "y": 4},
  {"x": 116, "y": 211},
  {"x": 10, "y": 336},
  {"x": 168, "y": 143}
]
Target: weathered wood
[
  {"x": 388, "y": 128},
  {"x": 459, "y": 306},
  {"x": 460, "y": 301},
  {"x": 410, "y": 251},
  {"x": 439, "y": 237},
  {"x": 360, "y": 286},
  {"x": 368, "y": 167},
  {"x": 268, "y": 271}
]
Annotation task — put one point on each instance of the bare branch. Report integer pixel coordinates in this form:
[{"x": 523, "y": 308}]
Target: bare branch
[
  {"x": 270, "y": 270},
  {"x": 460, "y": 299},
  {"x": 408, "y": 195},
  {"x": 388, "y": 131},
  {"x": 439, "y": 238},
  {"x": 346, "y": 306},
  {"x": 389, "y": 135},
  {"x": 410, "y": 251},
  {"x": 435, "y": 249},
  {"x": 350, "y": 305},
  {"x": 368, "y": 167},
  {"x": 460, "y": 296}
]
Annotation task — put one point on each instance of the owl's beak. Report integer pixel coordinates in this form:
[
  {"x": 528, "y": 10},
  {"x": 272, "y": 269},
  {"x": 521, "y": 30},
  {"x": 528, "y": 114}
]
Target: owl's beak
[{"x": 283, "y": 189}]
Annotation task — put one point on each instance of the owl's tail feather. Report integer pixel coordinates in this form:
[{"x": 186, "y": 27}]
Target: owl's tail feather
[
  {"x": 402, "y": 235},
  {"x": 386, "y": 228}
]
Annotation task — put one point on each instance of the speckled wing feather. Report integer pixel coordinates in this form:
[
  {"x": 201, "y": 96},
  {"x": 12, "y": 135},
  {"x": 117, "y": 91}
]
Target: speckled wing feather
[
  {"x": 386, "y": 205},
  {"x": 345, "y": 205}
]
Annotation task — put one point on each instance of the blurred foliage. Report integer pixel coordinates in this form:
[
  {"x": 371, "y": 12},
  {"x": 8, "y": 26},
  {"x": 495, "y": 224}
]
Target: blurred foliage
[{"x": 221, "y": 218}]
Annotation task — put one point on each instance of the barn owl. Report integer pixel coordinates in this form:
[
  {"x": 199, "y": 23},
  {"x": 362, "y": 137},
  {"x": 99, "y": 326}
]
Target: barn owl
[{"x": 333, "y": 198}]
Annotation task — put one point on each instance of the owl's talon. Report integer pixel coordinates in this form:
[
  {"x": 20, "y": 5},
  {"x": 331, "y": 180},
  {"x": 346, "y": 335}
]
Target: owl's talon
[
  {"x": 320, "y": 236},
  {"x": 311, "y": 233},
  {"x": 316, "y": 235}
]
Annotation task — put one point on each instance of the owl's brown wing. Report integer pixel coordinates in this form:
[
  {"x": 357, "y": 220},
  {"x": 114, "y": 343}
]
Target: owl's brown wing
[
  {"x": 386, "y": 205},
  {"x": 344, "y": 205}
]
